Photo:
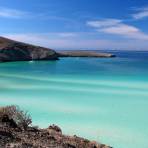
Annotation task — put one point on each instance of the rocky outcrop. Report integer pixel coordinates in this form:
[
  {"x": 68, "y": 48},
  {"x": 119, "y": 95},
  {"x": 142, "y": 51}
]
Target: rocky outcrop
[
  {"x": 17, "y": 51},
  {"x": 11, "y": 136},
  {"x": 83, "y": 53}
]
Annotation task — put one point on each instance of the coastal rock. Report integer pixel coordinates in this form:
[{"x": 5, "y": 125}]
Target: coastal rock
[
  {"x": 17, "y": 51},
  {"x": 40, "y": 138},
  {"x": 54, "y": 128},
  {"x": 10, "y": 122}
]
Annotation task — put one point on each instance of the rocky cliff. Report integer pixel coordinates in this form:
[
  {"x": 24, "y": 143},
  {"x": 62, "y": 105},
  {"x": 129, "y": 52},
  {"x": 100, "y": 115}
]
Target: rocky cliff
[{"x": 17, "y": 51}]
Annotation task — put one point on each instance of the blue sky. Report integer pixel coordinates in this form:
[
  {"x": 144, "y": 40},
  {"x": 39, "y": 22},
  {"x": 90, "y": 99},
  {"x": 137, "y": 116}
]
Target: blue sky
[{"x": 77, "y": 24}]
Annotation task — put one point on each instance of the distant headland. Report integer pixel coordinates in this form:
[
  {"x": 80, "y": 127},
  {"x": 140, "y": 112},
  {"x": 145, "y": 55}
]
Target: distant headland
[
  {"x": 11, "y": 50},
  {"x": 83, "y": 53}
]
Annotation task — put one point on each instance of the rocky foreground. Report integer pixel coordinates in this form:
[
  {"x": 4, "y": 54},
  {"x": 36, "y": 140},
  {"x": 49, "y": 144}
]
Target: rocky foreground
[{"x": 15, "y": 134}]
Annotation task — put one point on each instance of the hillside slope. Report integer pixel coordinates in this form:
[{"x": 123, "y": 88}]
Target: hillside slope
[{"x": 11, "y": 50}]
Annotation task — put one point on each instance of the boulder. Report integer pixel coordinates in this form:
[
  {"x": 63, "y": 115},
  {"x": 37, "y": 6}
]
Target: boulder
[
  {"x": 9, "y": 122},
  {"x": 54, "y": 128}
]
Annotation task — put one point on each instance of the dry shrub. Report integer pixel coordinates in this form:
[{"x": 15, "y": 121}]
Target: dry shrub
[{"x": 21, "y": 118}]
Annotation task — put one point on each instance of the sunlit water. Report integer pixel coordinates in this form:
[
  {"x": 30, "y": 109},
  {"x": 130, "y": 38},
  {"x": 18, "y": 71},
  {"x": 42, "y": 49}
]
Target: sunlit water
[{"x": 100, "y": 99}]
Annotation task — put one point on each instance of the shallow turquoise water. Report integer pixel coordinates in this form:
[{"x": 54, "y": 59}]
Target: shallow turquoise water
[{"x": 101, "y": 99}]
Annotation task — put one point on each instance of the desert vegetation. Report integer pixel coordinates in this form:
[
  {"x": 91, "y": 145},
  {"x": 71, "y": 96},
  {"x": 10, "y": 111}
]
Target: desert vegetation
[{"x": 16, "y": 116}]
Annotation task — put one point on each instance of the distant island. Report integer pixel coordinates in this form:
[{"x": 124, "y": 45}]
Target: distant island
[{"x": 11, "y": 50}]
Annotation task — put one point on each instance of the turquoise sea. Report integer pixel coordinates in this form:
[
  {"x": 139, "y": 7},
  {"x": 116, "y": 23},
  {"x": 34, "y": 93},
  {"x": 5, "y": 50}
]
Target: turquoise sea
[{"x": 103, "y": 99}]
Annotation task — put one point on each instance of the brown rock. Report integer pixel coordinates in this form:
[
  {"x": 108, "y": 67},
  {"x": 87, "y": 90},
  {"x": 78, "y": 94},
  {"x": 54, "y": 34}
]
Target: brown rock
[{"x": 54, "y": 128}]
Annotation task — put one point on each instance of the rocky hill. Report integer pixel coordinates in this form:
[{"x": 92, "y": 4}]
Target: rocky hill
[{"x": 17, "y": 51}]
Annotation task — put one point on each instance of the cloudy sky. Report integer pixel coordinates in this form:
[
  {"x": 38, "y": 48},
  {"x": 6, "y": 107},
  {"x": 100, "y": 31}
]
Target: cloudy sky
[{"x": 77, "y": 24}]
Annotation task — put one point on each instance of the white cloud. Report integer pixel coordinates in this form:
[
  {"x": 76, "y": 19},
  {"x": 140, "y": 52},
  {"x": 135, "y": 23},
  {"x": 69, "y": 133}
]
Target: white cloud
[
  {"x": 126, "y": 31},
  {"x": 56, "y": 41},
  {"x": 80, "y": 43},
  {"x": 66, "y": 34},
  {"x": 12, "y": 13},
  {"x": 104, "y": 22},
  {"x": 116, "y": 27},
  {"x": 19, "y": 14},
  {"x": 140, "y": 13}
]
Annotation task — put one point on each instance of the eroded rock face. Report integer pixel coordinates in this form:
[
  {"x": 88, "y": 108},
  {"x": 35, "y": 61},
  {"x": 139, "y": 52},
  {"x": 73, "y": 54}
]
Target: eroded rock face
[
  {"x": 33, "y": 137},
  {"x": 16, "y": 51}
]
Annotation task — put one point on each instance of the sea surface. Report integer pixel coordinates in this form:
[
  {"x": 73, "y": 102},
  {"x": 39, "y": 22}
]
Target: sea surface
[{"x": 103, "y": 99}]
